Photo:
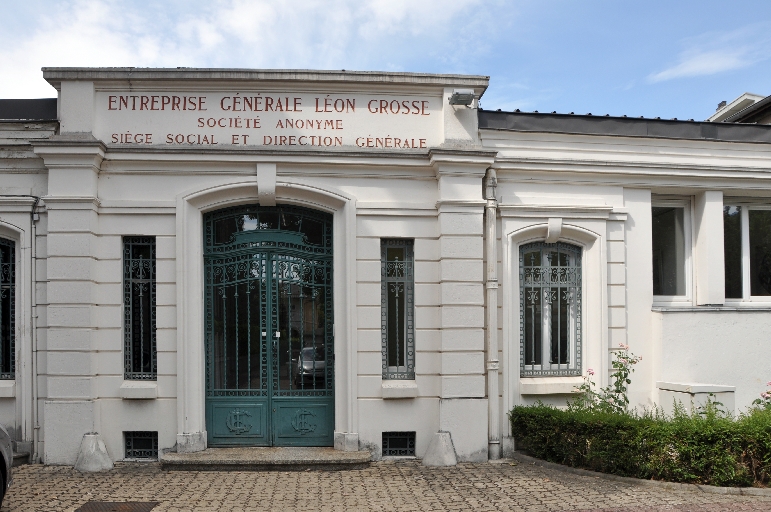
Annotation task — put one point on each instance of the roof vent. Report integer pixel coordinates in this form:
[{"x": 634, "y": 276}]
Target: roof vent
[{"x": 721, "y": 104}]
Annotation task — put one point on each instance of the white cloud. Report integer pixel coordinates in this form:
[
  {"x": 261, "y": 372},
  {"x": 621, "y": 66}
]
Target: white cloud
[
  {"x": 713, "y": 53},
  {"x": 350, "y": 34}
]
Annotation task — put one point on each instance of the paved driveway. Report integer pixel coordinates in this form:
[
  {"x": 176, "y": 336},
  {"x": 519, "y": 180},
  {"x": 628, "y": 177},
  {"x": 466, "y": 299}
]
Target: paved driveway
[{"x": 397, "y": 486}]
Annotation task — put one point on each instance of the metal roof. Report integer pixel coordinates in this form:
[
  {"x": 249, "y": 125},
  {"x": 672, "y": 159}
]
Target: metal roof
[
  {"x": 43, "y": 109},
  {"x": 622, "y": 126}
]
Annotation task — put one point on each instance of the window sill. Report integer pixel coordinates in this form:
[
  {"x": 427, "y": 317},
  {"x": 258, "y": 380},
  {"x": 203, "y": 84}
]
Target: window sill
[
  {"x": 549, "y": 385},
  {"x": 7, "y": 388},
  {"x": 139, "y": 390},
  {"x": 393, "y": 389},
  {"x": 733, "y": 307},
  {"x": 682, "y": 387}
]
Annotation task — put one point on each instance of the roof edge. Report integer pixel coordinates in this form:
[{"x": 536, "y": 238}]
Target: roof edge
[{"x": 58, "y": 74}]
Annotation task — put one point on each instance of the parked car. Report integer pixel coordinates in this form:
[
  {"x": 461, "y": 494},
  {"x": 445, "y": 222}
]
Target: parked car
[
  {"x": 7, "y": 462},
  {"x": 309, "y": 368}
]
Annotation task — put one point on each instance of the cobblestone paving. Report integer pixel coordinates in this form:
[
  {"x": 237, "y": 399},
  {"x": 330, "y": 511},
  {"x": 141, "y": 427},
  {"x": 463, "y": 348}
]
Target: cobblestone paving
[{"x": 386, "y": 486}]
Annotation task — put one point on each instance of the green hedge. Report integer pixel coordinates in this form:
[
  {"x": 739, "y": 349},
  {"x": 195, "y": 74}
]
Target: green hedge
[{"x": 711, "y": 449}]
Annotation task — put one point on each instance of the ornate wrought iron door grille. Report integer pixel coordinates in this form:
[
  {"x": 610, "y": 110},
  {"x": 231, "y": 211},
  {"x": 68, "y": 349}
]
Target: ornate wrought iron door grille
[
  {"x": 7, "y": 309},
  {"x": 141, "y": 445},
  {"x": 269, "y": 318},
  {"x": 139, "y": 314},
  {"x": 398, "y": 444},
  {"x": 550, "y": 296},
  {"x": 397, "y": 326}
]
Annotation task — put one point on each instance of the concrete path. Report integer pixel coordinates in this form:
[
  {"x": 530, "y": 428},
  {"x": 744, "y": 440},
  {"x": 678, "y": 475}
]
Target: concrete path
[{"x": 386, "y": 486}]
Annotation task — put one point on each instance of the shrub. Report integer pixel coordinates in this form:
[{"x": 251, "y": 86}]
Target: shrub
[{"x": 706, "y": 447}]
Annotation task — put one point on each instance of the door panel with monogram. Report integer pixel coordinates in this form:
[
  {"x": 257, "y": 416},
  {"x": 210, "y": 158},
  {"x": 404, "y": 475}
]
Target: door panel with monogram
[{"x": 269, "y": 345}]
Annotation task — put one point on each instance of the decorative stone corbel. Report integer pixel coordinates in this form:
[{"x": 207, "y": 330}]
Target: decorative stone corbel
[
  {"x": 266, "y": 184},
  {"x": 554, "y": 230}
]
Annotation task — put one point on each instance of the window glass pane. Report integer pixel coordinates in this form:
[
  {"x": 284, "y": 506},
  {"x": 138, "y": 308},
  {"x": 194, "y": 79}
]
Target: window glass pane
[
  {"x": 760, "y": 252},
  {"x": 732, "y": 248},
  {"x": 668, "y": 250}
]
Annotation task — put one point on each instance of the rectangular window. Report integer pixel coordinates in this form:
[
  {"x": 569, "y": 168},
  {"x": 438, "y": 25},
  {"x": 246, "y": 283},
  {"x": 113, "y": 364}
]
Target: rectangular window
[
  {"x": 397, "y": 328},
  {"x": 141, "y": 445},
  {"x": 669, "y": 251},
  {"x": 139, "y": 308},
  {"x": 550, "y": 283},
  {"x": 7, "y": 309},
  {"x": 747, "y": 250}
]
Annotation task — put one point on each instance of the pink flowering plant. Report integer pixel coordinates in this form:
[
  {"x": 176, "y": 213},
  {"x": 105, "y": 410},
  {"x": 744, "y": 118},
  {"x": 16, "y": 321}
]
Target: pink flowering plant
[
  {"x": 764, "y": 402},
  {"x": 613, "y": 397}
]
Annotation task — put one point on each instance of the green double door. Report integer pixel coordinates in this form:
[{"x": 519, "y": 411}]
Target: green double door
[{"x": 269, "y": 339}]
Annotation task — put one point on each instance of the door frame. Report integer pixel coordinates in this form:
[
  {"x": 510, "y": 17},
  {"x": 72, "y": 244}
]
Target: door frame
[{"x": 190, "y": 380}]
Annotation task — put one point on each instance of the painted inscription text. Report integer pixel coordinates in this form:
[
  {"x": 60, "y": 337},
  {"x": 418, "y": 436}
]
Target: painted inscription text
[{"x": 261, "y": 119}]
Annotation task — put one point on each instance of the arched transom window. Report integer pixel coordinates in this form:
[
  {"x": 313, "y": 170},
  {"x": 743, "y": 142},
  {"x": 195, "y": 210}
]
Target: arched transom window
[{"x": 550, "y": 309}]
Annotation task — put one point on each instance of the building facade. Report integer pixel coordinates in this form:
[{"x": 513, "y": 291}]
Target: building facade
[{"x": 196, "y": 258}]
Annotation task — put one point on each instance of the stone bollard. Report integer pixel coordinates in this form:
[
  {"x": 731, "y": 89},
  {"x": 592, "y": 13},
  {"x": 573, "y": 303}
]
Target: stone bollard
[
  {"x": 93, "y": 454},
  {"x": 441, "y": 451}
]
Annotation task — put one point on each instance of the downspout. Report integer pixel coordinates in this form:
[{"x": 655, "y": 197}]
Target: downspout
[
  {"x": 34, "y": 217},
  {"x": 491, "y": 318}
]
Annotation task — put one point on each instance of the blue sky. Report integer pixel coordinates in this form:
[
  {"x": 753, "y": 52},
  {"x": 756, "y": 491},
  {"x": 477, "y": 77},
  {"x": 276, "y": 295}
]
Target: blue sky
[{"x": 652, "y": 58}]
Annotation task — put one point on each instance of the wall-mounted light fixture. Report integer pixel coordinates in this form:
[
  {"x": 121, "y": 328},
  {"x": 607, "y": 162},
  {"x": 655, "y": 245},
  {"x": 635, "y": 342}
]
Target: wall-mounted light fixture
[{"x": 463, "y": 97}]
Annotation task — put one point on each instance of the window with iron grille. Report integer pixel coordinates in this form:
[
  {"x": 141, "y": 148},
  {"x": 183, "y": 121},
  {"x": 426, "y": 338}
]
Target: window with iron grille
[
  {"x": 550, "y": 308},
  {"x": 397, "y": 329},
  {"x": 141, "y": 445},
  {"x": 398, "y": 444},
  {"x": 140, "y": 356},
  {"x": 7, "y": 309}
]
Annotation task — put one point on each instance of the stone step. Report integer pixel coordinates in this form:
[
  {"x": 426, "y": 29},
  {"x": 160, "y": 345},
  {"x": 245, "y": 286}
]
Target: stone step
[
  {"x": 20, "y": 458},
  {"x": 265, "y": 459}
]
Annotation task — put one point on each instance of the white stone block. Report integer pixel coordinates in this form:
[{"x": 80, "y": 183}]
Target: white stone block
[
  {"x": 368, "y": 340},
  {"x": 151, "y": 225},
  {"x": 425, "y": 272},
  {"x": 7, "y": 388},
  {"x": 462, "y": 293},
  {"x": 367, "y": 248},
  {"x": 462, "y": 316},
  {"x": 165, "y": 271},
  {"x": 70, "y": 363},
  {"x": 428, "y": 340},
  {"x": 166, "y": 317},
  {"x": 616, "y": 251},
  {"x": 616, "y": 295},
  {"x": 466, "y": 421},
  {"x": 69, "y": 292},
  {"x": 166, "y": 294},
  {"x": 428, "y": 363},
  {"x": 368, "y": 294},
  {"x": 396, "y": 227},
  {"x": 617, "y": 317},
  {"x": 616, "y": 273},
  {"x": 370, "y": 363},
  {"x": 463, "y": 363},
  {"x": 346, "y": 441},
  {"x": 166, "y": 247},
  {"x": 111, "y": 316},
  {"x": 110, "y": 294},
  {"x": 69, "y": 339},
  {"x": 109, "y": 247},
  {"x": 166, "y": 339},
  {"x": 461, "y": 223},
  {"x": 427, "y": 317},
  {"x": 615, "y": 230},
  {"x": 368, "y": 317},
  {"x": 461, "y": 270},
  {"x": 369, "y": 386},
  {"x": 73, "y": 221},
  {"x": 69, "y": 316},
  {"x": 426, "y": 249},
  {"x": 368, "y": 271},
  {"x": 70, "y": 388},
  {"x": 68, "y": 244},
  {"x": 466, "y": 386},
  {"x": 167, "y": 363},
  {"x": 108, "y": 271},
  {"x": 69, "y": 268},
  {"x": 427, "y": 294},
  {"x": 463, "y": 339},
  {"x": 64, "y": 424},
  {"x": 464, "y": 247}
]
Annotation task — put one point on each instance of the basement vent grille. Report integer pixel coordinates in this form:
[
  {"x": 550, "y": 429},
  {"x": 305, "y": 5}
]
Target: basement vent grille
[
  {"x": 141, "y": 445},
  {"x": 398, "y": 444}
]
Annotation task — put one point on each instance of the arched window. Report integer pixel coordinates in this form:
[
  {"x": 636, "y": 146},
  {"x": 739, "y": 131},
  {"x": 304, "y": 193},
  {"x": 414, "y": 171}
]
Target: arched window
[
  {"x": 7, "y": 308},
  {"x": 550, "y": 309}
]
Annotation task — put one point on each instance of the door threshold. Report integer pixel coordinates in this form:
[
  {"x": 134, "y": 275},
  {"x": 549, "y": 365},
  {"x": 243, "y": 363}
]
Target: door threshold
[{"x": 275, "y": 458}]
